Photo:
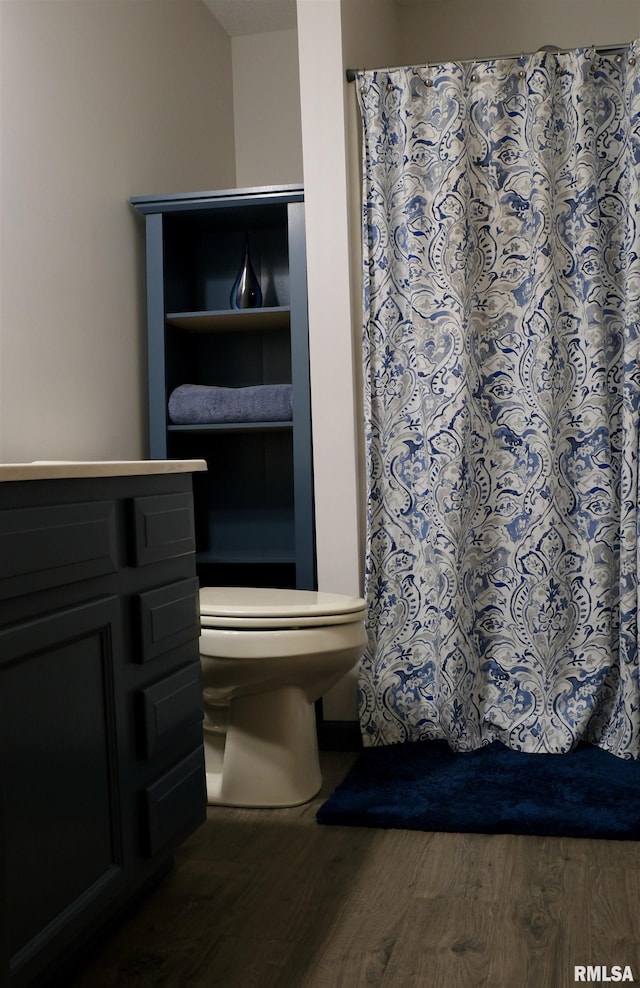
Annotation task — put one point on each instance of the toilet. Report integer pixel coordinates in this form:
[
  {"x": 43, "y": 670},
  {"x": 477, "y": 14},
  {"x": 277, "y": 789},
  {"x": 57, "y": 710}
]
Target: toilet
[{"x": 267, "y": 655}]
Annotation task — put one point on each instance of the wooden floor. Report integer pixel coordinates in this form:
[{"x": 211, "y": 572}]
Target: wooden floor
[{"x": 271, "y": 899}]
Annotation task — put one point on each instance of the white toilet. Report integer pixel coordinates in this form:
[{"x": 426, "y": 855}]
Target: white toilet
[{"x": 267, "y": 655}]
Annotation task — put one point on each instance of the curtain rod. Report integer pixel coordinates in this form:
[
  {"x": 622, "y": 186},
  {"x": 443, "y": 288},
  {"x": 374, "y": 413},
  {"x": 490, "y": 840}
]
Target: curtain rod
[{"x": 551, "y": 49}]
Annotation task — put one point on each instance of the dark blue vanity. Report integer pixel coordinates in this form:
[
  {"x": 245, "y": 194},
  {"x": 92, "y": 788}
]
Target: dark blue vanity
[{"x": 101, "y": 764}]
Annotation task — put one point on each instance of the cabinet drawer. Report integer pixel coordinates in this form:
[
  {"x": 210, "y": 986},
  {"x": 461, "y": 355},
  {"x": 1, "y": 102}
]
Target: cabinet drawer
[
  {"x": 163, "y": 527},
  {"x": 168, "y": 617},
  {"x": 176, "y": 804},
  {"x": 55, "y": 545},
  {"x": 170, "y": 707}
]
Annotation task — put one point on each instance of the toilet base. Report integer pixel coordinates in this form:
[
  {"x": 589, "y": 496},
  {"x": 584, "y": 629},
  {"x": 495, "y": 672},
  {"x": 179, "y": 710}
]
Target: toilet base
[{"x": 268, "y": 754}]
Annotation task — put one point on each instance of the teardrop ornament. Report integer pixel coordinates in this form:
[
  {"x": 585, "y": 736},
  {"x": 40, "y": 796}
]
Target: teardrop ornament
[{"x": 246, "y": 292}]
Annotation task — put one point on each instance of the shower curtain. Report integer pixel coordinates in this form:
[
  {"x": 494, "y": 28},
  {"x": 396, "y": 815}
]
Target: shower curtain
[{"x": 501, "y": 394}]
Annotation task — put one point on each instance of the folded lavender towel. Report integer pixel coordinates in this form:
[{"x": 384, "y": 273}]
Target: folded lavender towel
[{"x": 199, "y": 404}]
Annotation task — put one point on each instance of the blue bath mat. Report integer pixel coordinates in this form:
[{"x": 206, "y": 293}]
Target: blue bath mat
[{"x": 423, "y": 785}]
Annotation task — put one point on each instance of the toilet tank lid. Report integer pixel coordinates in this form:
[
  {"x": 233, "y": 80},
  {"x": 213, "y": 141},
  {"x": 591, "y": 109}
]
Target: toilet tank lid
[{"x": 272, "y": 602}]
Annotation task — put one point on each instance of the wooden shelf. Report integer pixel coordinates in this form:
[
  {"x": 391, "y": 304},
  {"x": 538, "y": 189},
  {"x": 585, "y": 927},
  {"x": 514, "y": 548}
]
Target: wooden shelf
[
  {"x": 228, "y": 557},
  {"x": 221, "y": 320},
  {"x": 254, "y": 507},
  {"x": 232, "y": 427}
]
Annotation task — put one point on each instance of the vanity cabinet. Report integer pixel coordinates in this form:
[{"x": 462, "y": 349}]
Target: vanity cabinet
[
  {"x": 101, "y": 760},
  {"x": 254, "y": 506}
]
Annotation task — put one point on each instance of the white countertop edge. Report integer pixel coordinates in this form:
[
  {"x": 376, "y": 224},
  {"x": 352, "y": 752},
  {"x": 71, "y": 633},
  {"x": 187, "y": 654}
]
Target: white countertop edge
[{"x": 67, "y": 469}]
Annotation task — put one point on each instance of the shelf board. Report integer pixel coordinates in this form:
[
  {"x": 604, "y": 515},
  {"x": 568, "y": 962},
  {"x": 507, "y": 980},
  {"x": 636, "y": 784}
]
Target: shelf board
[
  {"x": 254, "y": 197},
  {"x": 229, "y": 557},
  {"x": 221, "y": 320},
  {"x": 232, "y": 427}
]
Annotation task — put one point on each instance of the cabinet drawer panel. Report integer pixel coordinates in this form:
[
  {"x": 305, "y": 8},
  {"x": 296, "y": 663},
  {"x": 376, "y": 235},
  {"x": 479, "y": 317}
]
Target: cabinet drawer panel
[
  {"x": 55, "y": 545},
  {"x": 170, "y": 707},
  {"x": 169, "y": 617},
  {"x": 176, "y": 804},
  {"x": 59, "y": 750},
  {"x": 163, "y": 527}
]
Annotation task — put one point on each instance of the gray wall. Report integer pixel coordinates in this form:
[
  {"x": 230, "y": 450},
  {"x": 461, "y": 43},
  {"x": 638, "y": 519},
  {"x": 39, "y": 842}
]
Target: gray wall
[
  {"x": 266, "y": 100},
  {"x": 101, "y": 100},
  {"x": 483, "y": 28}
]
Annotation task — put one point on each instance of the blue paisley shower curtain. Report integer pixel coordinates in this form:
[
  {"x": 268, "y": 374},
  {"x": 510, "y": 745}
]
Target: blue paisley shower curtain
[{"x": 501, "y": 392}]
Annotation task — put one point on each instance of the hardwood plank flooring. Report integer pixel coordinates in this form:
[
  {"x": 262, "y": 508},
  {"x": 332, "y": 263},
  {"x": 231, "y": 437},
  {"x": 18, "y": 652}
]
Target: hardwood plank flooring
[{"x": 271, "y": 899}]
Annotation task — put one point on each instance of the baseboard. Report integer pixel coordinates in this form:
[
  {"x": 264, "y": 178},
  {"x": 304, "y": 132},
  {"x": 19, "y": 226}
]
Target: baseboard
[{"x": 339, "y": 735}]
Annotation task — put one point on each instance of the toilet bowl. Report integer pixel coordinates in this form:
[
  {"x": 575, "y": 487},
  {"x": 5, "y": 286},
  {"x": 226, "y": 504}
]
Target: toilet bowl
[{"x": 267, "y": 655}]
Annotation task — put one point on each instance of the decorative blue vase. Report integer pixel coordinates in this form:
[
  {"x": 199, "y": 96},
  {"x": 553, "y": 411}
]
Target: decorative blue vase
[{"x": 246, "y": 292}]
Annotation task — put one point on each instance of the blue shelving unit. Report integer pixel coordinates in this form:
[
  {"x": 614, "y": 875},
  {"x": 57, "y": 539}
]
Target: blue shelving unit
[{"x": 254, "y": 507}]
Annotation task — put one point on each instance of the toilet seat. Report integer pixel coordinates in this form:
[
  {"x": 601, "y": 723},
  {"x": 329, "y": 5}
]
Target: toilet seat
[{"x": 270, "y": 607}]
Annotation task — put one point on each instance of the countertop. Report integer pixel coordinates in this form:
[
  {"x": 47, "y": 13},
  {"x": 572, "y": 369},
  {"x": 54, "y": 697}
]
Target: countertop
[{"x": 67, "y": 469}]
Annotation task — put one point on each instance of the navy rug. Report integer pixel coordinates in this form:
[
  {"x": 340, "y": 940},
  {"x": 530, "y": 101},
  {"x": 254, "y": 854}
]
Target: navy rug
[{"x": 423, "y": 785}]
